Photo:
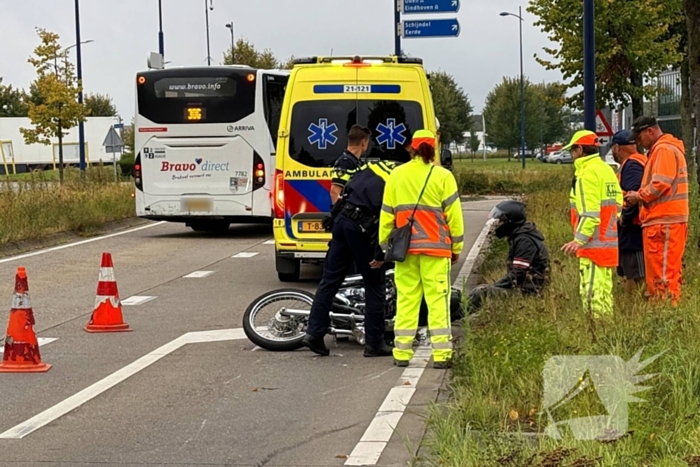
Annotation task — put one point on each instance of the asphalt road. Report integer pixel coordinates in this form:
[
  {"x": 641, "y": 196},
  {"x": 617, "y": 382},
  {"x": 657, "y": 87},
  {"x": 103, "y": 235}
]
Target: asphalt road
[{"x": 152, "y": 397}]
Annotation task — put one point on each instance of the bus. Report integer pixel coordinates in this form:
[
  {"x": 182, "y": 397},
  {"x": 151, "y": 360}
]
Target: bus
[{"x": 205, "y": 143}]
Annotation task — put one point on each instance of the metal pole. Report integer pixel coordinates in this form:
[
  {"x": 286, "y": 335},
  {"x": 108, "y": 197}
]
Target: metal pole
[
  {"x": 81, "y": 126},
  {"x": 397, "y": 27},
  {"x": 161, "y": 44},
  {"x": 522, "y": 91},
  {"x": 206, "y": 12},
  {"x": 589, "y": 100},
  {"x": 483, "y": 124}
]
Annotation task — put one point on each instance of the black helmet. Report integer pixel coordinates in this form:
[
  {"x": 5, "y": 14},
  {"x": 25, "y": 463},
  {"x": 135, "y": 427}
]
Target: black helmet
[{"x": 511, "y": 215}]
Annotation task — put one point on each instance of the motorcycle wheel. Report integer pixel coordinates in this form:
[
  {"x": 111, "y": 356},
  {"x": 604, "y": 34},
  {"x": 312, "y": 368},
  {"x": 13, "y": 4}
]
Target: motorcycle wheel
[{"x": 280, "y": 333}]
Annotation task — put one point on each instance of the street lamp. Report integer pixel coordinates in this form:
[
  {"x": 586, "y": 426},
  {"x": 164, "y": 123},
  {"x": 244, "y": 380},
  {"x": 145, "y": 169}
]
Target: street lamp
[
  {"x": 81, "y": 124},
  {"x": 233, "y": 46},
  {"x": 206, "y": 12},
  {"x": 161, "y": 45},
  {"x": 522, "y": 84}
]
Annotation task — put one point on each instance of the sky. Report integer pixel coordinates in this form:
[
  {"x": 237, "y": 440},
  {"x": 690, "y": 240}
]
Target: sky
[{"x": 126, "y": 31}]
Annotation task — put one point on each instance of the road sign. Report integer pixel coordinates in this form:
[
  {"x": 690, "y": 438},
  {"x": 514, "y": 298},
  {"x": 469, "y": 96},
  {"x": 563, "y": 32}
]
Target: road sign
[
  {"x": 112, "y": 142},
  {"x": 118, "y": 126},
  {"x": 602, "y": 127},
  {"x": 429, "y": 6},
  {"x": 430, "y": 28}
]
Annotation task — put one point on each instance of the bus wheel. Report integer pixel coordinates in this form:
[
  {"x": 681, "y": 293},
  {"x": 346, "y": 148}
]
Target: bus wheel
[{"x": 288, "y": 270}]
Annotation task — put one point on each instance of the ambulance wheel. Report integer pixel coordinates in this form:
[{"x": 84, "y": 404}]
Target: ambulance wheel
[{"x": 288, "y": 269}]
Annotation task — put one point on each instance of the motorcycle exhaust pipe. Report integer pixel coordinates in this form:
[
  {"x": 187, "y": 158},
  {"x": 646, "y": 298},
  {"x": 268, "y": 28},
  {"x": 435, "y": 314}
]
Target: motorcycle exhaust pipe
[
  {"x": 340, "y": 332},
  {"x": 292, "y": 312},
  {"x": 305, "y": 313},
  {"x": 358, "y": 318}
]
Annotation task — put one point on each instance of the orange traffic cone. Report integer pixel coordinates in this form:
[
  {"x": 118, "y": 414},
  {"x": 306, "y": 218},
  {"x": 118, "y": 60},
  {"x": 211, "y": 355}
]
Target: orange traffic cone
[
  {"x": 107, "y": 316},
  {"x": 21, "y": 346}
]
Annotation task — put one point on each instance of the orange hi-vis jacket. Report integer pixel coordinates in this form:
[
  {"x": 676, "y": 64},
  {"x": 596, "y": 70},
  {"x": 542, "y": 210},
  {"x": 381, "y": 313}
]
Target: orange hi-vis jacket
[
  {"x": 438, "y": 228},
  {"x": 641, "y": 158},
  {"x": 596, "y": 201},
  {"x": 664, "y": 191}
]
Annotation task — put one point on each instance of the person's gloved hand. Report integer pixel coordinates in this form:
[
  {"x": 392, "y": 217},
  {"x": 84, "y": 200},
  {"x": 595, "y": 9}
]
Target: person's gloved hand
[{"x": 455, "y": 258}]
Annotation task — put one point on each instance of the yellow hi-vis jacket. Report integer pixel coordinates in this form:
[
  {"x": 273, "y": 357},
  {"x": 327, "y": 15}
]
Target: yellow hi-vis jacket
[
  {"x": 596, "y": 204},
  {"x": 438, "y": 228}
]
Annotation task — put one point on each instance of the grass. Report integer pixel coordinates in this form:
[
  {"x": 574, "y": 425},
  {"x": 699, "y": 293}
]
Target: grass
[
  {"x": 53, "y": 175},
  {"x": 498, "y": 177},
  {"x": 36, "y": 208},
  {"x": 497, "y": 383}
]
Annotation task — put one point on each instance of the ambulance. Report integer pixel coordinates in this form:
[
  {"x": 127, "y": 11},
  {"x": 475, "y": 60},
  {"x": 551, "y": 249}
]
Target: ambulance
[{"x": 326, "y": 96}]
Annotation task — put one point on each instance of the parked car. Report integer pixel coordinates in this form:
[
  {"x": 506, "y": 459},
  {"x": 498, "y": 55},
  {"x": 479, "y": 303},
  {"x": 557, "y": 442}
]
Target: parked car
[{"x": 560, "y": 157}]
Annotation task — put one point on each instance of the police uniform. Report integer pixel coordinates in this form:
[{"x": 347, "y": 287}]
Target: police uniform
[
  {"x": 347, "y": 162},
  {"x": 355, "y": 230}
]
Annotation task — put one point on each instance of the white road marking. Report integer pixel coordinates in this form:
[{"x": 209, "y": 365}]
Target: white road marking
[
  {"x": 82, "y": 242},
  {"x": 269, "y": 242},
  {"x": 137, "y": 300},
  {"x": 42, "y": 342},
  {"x": 89, "y": 393},
  {"x": 245, "y": 254},
  {"x": 198, "y": 274},
  {"x": 256, "y": 348},
  {"x": 378, "y": 433}
]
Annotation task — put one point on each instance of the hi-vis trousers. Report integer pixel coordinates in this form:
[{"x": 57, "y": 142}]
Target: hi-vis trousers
[
  {"x": 664, "y": 246},
  {"x": 596, "y": 288},
  {"x": 418, "y": 276}
]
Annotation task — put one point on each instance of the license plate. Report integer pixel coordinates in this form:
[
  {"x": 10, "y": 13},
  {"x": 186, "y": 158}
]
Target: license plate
[
  {"x": 311, "y": 227},
  {"x": 196, "y": 205}
]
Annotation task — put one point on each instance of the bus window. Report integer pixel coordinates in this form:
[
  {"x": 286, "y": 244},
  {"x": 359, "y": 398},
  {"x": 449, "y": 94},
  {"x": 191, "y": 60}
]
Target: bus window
[{"x": 274, "y": 88}]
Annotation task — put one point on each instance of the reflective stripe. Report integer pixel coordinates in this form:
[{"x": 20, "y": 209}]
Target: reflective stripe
[
  {"x": 662, "y": 178},
  {"x": 421, "y": 207},
  {"x": 451, "y": 199},
  {"x": 404, "y": 333},
  {"x": 387, "y": 208},
  {"x": 521, "y": 263},
  {"x": 666, "y": 242},
  {"x": 442, "y": 345},
  {"x": 441, "y": 332},
  {"x": 582, "y": 195},
  {"x": 608, "y": 202},
  {"x": 457, "y": 239},
  {"x": 593, "y": 215},
  {"x": 402, "y": 346},
  {"x": 431, "y": 245},
  {"x": 582, "y": 237}
]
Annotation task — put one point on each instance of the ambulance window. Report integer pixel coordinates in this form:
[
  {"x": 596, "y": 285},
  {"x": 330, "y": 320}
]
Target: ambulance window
[{"x": 319, "y": 129}]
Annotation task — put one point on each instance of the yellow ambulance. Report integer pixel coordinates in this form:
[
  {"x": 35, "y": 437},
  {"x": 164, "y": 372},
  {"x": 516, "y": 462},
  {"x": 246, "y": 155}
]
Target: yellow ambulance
[{"x": 325, "y": 96}]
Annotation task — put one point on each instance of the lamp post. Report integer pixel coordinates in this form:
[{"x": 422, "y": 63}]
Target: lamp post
[
  {"x": 161, "y": 43},
  {"x": 79, "y": 66},
  {"x": 233, "y": 44},
  {"x": 522, "y": 84},
  {"x": 589, "y": 107},
  {"x": 206, "y": 13}
]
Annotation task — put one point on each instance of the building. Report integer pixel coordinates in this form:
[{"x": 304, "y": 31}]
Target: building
[{"x": 669, "y": 102}]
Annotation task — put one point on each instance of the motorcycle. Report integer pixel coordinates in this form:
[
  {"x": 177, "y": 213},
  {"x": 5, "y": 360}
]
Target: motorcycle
[{"x": 285, "y": 327}]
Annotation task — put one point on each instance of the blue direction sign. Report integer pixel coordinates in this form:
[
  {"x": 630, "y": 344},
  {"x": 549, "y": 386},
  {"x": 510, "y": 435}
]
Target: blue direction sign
[
  {"x": 430, "y": 28},
  {"x": 430, "y": 6}
]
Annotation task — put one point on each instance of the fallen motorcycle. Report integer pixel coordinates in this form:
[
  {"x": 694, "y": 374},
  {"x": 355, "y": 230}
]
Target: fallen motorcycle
[{"x": 277, "y": 320}]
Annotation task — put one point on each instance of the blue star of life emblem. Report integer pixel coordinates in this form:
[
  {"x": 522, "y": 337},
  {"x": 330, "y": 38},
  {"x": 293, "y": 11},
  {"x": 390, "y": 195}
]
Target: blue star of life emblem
[
  {"x": 391, "y": 133},
  {"x": 323, "y": 134}
]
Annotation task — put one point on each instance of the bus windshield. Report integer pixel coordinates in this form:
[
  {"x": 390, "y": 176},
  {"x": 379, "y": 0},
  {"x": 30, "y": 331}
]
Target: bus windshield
[{"x": 212, "y": 95}]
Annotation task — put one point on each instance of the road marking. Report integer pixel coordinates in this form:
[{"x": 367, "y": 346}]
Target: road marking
[
  {"x": 378, "y": 433},
  {"x": 269, "y": 242},
  {"x": 82, "y": 242},
  {"x": 198, "y": 274},
  {"x": 468, "y": 265},
  {"x": 245, "y": 254},
  {"x": 89, "y": 393},
  {"x": 137, "y": 300},
  {"x": 42, "y": 342}
]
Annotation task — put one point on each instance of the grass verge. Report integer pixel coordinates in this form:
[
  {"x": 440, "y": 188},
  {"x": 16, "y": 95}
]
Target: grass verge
[
  {"x": 508, "y": 178},
  {"x": 495, "y": 416},
  {"x": 35, "y": 209}
]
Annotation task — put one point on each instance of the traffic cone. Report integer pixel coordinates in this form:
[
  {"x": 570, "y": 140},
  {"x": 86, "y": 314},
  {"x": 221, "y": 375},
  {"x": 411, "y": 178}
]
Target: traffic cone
[
  {"x": 107, "y": 315},
  {"x": 21, "y": 353}
]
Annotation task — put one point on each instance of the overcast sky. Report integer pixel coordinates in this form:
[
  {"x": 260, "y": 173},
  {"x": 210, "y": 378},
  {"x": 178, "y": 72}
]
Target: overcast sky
[{"x": 125, "y": 31}]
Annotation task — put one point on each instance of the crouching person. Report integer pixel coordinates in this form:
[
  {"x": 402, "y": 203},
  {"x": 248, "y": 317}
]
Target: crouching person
[{"x": 528, "y": 259}]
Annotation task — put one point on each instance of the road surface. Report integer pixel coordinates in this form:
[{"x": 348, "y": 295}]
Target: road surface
[{"x": 154, "y": 397}]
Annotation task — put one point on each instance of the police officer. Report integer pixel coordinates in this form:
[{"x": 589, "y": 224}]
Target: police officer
[
  {"x": 358, "y": 142},
  {"x": 355, "y": 230},
  {"x": 528, "y": 259}
]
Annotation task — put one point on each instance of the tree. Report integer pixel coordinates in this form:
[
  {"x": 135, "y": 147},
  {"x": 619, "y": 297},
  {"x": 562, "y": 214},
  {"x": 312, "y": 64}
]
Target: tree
[
  {"x": 245, "y": 53},
  {"x": 632, "y": 45},
  {"x": 552, "y": 121},
  {"x": 12, "y": 101},
  {"x": 502, "y": 114},
  {"x": 473, "y": 141},
  {"x": 99, "y": 105},
  {"x": 452, "y": 107},
  {"x": 57, "y": 91}
]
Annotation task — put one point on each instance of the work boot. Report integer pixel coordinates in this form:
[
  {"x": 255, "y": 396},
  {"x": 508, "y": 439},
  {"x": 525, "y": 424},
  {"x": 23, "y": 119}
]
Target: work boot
[
  {"x": 401, "y": 363},
  {"x": 442, "y": 365},
  {"x": 316, "y": 345},
  {"x": 385, "y": 350}
]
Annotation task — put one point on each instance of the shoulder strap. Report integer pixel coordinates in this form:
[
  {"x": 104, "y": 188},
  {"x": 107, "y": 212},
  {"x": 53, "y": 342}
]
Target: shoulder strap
[{"x": 422, "y": 191}]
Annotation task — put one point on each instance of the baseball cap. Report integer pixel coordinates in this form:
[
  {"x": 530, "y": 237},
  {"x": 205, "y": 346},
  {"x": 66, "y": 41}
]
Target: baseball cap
[
  {"x": 641, "y": 124},
  {"x": 622, "y": 138},
  {"x": 582, "y": 138}
]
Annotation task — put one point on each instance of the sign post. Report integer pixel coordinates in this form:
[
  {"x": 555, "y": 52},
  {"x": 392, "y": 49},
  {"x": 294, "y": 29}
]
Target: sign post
[
  {"x": 603, "y": 130},
  {"x": 425, "y": 28},
  {"x": 114, "y": 144}
]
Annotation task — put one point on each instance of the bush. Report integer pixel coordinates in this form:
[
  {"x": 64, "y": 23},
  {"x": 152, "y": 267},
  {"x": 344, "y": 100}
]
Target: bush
[
  {"x": 503, "y": 182},
  {"x": 126, "y": 164}
]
